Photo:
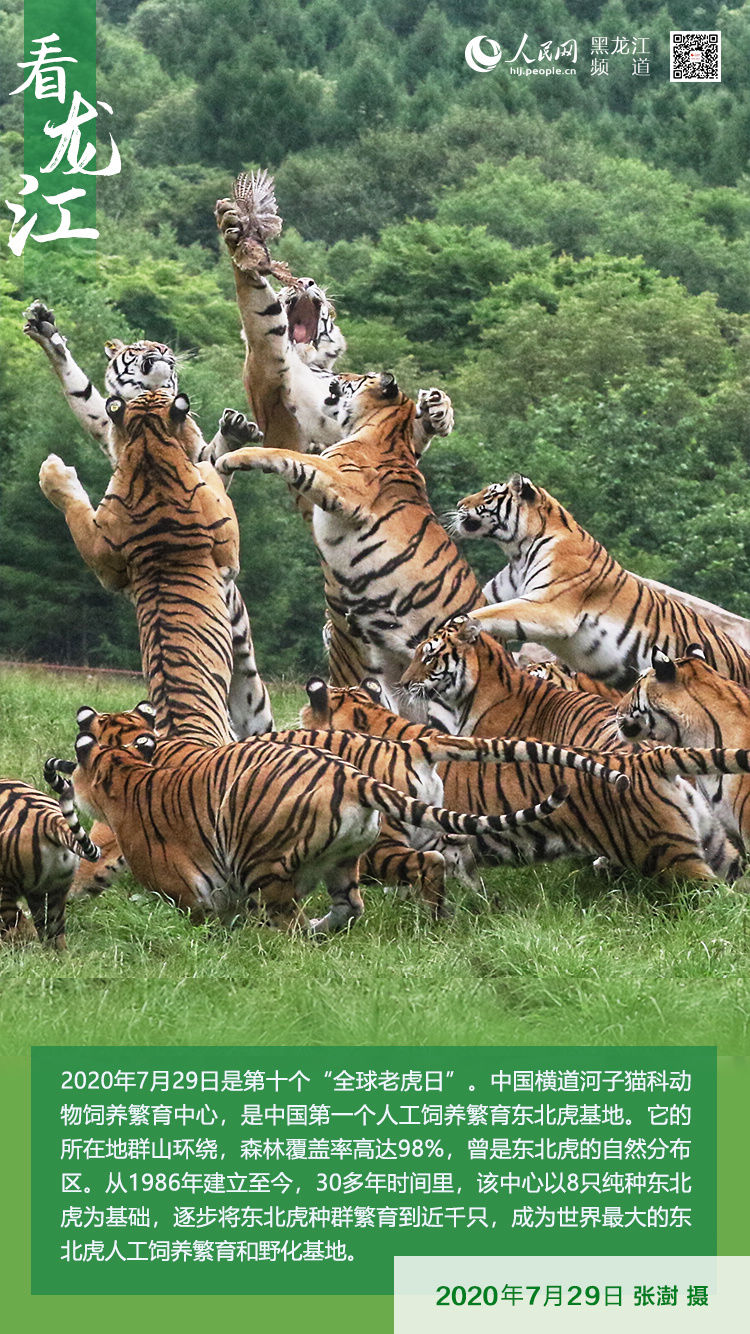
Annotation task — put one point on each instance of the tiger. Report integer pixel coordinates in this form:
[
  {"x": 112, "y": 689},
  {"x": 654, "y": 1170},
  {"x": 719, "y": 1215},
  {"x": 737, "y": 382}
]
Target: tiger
[
  {"x": 686, "y": 702},
  {"x": 660, "y": 826},
  {"x": 401, "y": 855},
  {"x": 166, "y": 533},
  {"x": 500, "y": 698},
  {"x": 41, "y": 843},
  {"x": 293, "y": 341},
  {"x": 562, "y": 587},
  {"x": 392, "y": 573},
  {"x": 254, "y": 824},
  {"x": 549, "y": 668},
  {"x": 406, "y": 756},
  {"x": 134, "y": 369}
]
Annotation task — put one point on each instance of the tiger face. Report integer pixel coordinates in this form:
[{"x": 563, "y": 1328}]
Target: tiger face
[
  {"x": 135, "y": 368},
  {"x": 445, "y": 666},
  {"x": 507, "y": 512},
  {"x": 683, "y": 702},
  {"x": 311, "y": 320}
]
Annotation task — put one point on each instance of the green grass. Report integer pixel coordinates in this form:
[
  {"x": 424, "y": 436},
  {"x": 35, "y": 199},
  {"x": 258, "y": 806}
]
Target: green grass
[{"x": 555, "y": 954}]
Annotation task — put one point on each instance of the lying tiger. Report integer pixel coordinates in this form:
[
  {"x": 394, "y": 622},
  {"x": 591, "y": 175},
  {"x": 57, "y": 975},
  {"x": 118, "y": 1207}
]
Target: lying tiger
[
  {"x": 134, "y": 369},
  {"x": 41, "y": 844},
  {"x": 392, "y": 573},
  {"x": 562, "y": 587},
  {"x": 661, "y": 825},
  {"x": 686, "y": 702},
  {"x": 253, "y": 825}
]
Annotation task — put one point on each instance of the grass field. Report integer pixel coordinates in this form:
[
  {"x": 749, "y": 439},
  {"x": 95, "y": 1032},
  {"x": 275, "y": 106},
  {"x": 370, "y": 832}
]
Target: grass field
[{"x": 555, "y": 954}]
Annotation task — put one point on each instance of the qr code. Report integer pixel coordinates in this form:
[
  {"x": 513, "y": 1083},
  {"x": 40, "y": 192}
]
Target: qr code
[{"x": 695, "y": 57}]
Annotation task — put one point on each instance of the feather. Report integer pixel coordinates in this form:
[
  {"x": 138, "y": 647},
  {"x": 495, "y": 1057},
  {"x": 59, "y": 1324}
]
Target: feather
[{"x": 256, "y": 205}]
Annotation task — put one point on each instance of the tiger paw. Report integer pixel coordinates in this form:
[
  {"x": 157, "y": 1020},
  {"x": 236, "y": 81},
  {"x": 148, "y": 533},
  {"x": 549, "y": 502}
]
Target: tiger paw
[
  {"x": 41, "y": 328},
  {"x": 435, "y": 411},
  {"x": 228, "y": 223},
  {"x": 59, "y": 483},
  {"x": 237, "y": 429}
]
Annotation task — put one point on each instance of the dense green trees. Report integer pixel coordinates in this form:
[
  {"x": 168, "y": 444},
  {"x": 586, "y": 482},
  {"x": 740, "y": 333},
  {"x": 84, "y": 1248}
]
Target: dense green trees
[{"x": 567, "y": 256}]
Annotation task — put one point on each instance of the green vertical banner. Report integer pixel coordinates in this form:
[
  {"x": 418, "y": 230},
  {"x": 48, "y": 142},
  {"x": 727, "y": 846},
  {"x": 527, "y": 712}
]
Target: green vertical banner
[{"x": 67, "y": 134}]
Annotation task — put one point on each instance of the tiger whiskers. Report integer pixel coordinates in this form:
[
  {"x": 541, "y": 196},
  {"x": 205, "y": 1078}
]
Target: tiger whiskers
[{"x": 451, "y": 523}]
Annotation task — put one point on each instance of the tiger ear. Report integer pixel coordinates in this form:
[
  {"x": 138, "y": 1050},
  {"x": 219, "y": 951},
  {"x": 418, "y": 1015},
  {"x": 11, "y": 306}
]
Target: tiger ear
[
  {"x": 663, "y": 666},
  {"x": 317, "y": 693},
  {"x": 145, "y": 745},
  {"x": 84, "y": 745},
  {"x": 85, "y": 716},
  {"x": 147, "y": 711},
  {"x": 179, "y": 408},
  {"x": 695, "y": 651},
  {"x": 388, "y": 385},
  {"x": 523, "y": 487},
  {"x": 115, "y": 406},
  {"x": 373, "y": 688},
  {"x": 113, "y": 347},
  {"x": 469, "y": 631}
]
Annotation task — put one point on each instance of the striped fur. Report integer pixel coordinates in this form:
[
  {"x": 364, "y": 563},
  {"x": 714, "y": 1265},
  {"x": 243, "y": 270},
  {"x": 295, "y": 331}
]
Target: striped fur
[
  {"x": 257, "y": 823},
  {"x": 41, "y": 841},
  {"x": 411, "y": 856},
  {"x": 558, "y": 674},
  {"x": 392, "y": 574},
  {"x": 166, "y": 533},
  {"x": 686, "y": 702},
  {"x": 460, "y": 663},
  {"x": 659, "y": 826},
  {"x": 662, "y": 824},
  {"x": 562, "y": 587},
  {"x": 134, "y": 369}
]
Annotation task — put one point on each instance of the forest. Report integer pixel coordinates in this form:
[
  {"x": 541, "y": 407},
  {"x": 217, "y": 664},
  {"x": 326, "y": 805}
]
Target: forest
[{"x": 568, "y": 257}]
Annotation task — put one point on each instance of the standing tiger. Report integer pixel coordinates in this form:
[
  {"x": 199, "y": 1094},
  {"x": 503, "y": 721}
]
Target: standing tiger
[
  {"x": 255, "y": 824},
  {"x": 41, "y": 843},
  {"x": 392, "y": 573},
  {"x": 661, "y": 824},
  {"x": 292, "y": 339},
  {"x": 134, "y": 369},
  {"x": 562, "y": 587}
]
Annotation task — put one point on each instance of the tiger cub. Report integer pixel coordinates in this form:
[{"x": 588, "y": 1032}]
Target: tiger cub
[
  {"x": 562, "y": 587},
  {"x": 686, "y": 702},
  {"x": 134, "y": 369},
  {"x": 256, "y": 823},
  {"x": 392, "y": 573},
  {"x": 661, "y": 825},
  {"x": 41, "y": 843}
]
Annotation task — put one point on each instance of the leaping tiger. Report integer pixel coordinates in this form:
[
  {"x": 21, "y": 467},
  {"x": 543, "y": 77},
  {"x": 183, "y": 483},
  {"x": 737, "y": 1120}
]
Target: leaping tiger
[
  {"x": 292, "y": 339},
  {"x": 392, "y": 573},
  {"x": 562, "y": 587},
  {"x": 134, "y": 369}
]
